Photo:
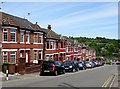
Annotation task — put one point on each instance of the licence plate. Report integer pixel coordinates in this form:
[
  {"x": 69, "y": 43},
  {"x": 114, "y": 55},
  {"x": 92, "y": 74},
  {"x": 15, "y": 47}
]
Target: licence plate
[
  {"x": 46, "y": 71},
  {"x": 66, "y": 68}
]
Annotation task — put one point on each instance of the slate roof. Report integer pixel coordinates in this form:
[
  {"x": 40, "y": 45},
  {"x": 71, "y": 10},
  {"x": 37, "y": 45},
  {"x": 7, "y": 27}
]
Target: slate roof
[
  {"x": 52, "y": 35},
  {"x": 68, "y": 40},
  {"x": 8, "y": 19}
]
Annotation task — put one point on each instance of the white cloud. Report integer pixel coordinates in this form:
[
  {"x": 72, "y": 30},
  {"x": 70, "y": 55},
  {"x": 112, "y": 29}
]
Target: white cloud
[{"x": 103, "y": 13}]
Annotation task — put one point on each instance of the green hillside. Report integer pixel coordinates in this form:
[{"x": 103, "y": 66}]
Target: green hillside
[{"x": 103, "y": 46}]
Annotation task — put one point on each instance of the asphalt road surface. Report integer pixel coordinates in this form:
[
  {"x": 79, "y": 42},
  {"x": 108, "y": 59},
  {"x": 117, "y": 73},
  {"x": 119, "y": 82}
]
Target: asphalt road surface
[{"x": 95, "y": 77}]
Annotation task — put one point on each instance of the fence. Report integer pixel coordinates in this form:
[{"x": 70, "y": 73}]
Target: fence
[{"x": 32, "y": 69}]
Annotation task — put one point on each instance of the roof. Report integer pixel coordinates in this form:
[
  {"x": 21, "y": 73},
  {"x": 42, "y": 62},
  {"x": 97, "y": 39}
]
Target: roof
[
  {"x": 52, "y": 35},
  {"x": 68, "y": 39},
  {"x": 8, "y": 19}
]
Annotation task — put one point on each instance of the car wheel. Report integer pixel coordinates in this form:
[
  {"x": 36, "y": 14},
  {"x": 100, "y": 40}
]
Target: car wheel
[
  {"x": 73, "y": 70},
  {"x": 56, "y": 73}
]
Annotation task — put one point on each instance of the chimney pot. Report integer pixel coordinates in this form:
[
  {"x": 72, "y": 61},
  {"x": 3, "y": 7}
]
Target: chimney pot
[
  {"x": 36, "y": 22},
  {"x": 49, "y": 27}
]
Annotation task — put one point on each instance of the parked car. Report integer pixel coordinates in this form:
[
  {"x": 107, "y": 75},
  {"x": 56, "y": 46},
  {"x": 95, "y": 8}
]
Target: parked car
[
  {"x": 93, "y": 64},
  {"x": 88, "y": 64},
  {"x": 82, "y": 65},
  {"x": 96, "y": 62},
  {"x": 71, "y": 65},
  {"x": 54, "y": 67}
]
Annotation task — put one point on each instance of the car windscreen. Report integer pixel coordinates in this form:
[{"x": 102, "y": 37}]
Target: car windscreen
[{"x": 48, "y": 63}]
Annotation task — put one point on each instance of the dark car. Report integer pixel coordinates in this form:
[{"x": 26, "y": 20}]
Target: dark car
[
  {"x": 82, "y": 65},
  {"x": 53, "y": 67},
  {"x": 71, "y": 65}
]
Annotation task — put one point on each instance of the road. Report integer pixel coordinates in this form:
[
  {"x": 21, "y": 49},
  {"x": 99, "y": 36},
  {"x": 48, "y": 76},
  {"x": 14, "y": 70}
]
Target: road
[{"x": 95, "y": 77}]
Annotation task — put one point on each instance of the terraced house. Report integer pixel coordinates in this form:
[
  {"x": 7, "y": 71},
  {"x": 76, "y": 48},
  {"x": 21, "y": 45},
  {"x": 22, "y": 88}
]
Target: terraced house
[
  {"x": 0, "y": 47},
  {"x": 54, "y": 45},
  {"x": 21, "y": 39},
  {"x": 72, "y": 49}
]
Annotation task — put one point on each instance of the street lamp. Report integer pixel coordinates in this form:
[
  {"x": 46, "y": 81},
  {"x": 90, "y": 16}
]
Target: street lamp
[{"x": 1, "y": 5}]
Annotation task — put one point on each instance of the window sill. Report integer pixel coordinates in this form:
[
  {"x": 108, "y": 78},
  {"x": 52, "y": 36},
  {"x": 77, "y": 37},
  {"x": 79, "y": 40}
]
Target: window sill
[
  {"x": 50, "y": 49},
  {"x": 9, "y": 42},
  {"x": 27, "y": 42},
  {"x": 37, "y": 43},
  {"x": 22, "y": 42}
]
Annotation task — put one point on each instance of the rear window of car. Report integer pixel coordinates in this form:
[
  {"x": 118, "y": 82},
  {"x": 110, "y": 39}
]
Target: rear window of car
[
  {"x": 48, "y": 62},
  {"x": 68, "y": 63}
]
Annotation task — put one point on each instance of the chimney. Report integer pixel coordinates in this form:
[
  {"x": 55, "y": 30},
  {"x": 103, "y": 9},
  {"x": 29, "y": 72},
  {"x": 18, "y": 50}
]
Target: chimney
[
  {"x": 36, "y": 23},
  {"x": 49, "y": 27}
]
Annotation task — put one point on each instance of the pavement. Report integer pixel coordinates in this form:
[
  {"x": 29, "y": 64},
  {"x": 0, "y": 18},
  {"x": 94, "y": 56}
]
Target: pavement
[
  {"x": 96, "y": 77},
  {"x": 17, "y": 76}
]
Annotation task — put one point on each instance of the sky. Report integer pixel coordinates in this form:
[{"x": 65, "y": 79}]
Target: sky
[{"x": 85, "y": 19}]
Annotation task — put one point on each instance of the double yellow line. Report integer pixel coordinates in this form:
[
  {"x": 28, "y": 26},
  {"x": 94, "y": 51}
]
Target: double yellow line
[{"x": 107, "y": 81}]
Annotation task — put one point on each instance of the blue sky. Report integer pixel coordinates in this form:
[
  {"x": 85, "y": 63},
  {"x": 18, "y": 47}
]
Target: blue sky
[{"x": 86, "y": 19}]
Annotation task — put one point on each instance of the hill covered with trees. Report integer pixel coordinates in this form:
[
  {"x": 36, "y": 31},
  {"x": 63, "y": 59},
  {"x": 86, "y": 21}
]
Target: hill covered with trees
[{"x": 104, "y": 47}]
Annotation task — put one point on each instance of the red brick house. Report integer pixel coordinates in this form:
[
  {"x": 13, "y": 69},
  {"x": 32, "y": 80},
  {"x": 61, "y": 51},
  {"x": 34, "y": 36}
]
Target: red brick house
[
  {"x": 91, "y": 54},
  {"x": 69, "y": 44},
  {"x": 21, "y": 38},
  {"x": 54, "y": 45},
  {"x": 0, "y": 47}
]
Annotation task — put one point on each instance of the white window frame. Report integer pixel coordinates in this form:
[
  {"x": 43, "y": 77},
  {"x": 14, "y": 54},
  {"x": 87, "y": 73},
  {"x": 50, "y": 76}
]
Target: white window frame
[
  {"x": 54, "y": 45},
  {"x": 13, "y": 54},
  {"x": 27, "y": 33},
  {"x": 35, "y": 52},
  {"x": 34, "y": 37},
  {"x": 5, "y": 32},
  {"x": 13, "y": 32},
  {"x": 5, "y": 55},
  {"x": 41, "y": 38},
  {"x": 23, "y": 36},
  {"x": 41, "y": 54},
  {"x": 67, "y": 49}
]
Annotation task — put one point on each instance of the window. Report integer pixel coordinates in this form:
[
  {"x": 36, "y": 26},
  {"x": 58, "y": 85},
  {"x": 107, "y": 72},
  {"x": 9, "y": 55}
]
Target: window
[
  {"x": 36, "y": 38},
  {"x": 47, "y": 44},
  {"x": 40, "y": 55},
  {"x": 5, "y": 57},
  {"x": 12, "y": 57},
  {"x": 54, "y": 45},
  {"x": 27, "y": 36},
  {"x": 67, "y": 49},
  {"x": 51, "y": 45},
  {"x": 41, "y": 39},
  {"x": 35, "y": 55},
  {"x": 21, "y": 36},
  {"x": 5, "y": 36},
  {"x": 12, "y": 35}
]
